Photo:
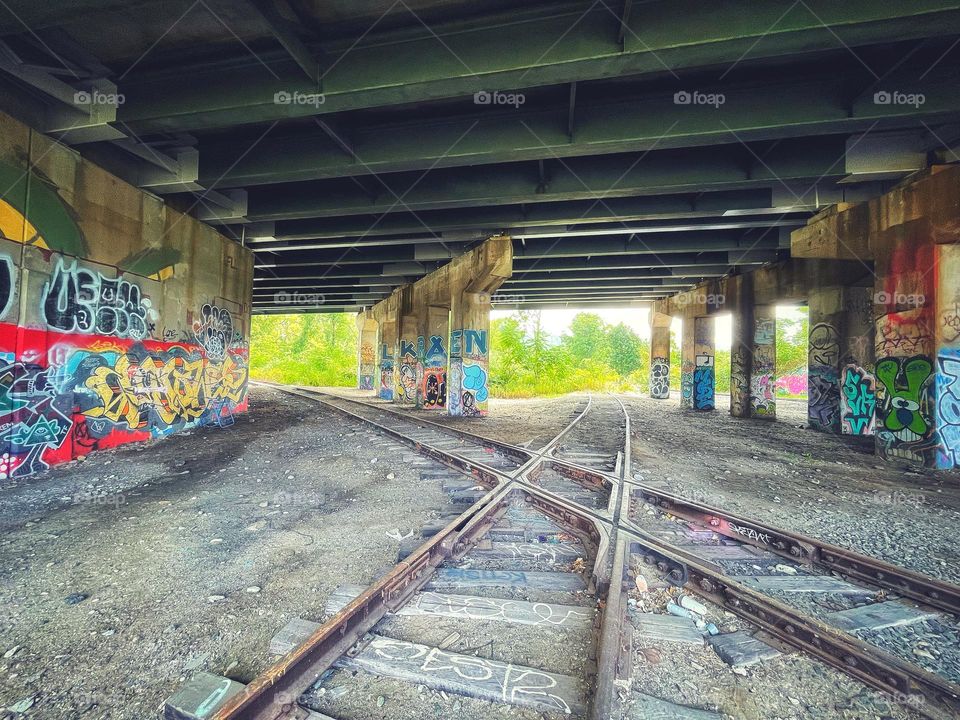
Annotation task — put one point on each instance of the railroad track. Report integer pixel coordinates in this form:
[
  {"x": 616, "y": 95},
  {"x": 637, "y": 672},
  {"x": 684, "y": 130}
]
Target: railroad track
[{"x": 549, "y": 543}]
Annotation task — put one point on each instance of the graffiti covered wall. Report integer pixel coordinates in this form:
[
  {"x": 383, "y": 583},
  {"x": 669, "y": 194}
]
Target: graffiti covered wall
[
  {"x": 763, "y": 382},
  {"x": 120, "y": 319}
]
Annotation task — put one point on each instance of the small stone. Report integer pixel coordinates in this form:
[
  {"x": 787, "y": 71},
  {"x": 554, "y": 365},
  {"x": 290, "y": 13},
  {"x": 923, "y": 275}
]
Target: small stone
[
  {"x": 108, "y": 633},
  {"x": 216, "y": 598},
  {"x": 253, "y": 589},
  {"x": 216, "y": 541},
  {"x": 75, "y": 598},
  {"x": 380, "y": 699},
  {"x": 12, "y": 651},
  {"x": 390, "y": 476},
  {"x": 641, "y": 583}
]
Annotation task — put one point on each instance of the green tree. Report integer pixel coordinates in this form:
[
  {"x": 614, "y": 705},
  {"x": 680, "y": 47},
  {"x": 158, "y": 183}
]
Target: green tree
[{"x": 625, "y": 347}]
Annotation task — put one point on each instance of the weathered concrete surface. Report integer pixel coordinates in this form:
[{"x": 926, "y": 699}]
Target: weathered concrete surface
[{"x": 120, "y": 318}]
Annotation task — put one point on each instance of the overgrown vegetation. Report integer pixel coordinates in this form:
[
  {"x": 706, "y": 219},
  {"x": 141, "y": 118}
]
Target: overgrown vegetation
[
  {"x": 319, "y": 349},
  {"x": 524, "y": 360}
]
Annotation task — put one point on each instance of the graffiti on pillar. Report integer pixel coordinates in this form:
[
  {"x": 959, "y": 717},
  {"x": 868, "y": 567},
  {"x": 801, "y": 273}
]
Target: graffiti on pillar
[
  {"x": 660, "y": 378},
  {"x": 823, "y": 398},
  {"x": 386, "y": 372},
  {"x": 475, "y": 392},
  {"x": 739, "y": 385},
  {"x": 765, "y": 331},
  {"x": 858, "y": 401},
  {"x": 904, "y": 334},
  {"x": 468, "y": 372},
  {"x": 368, "y": 363},
  {"x": 405, "y": 370},
  {"x": 763, "y": 381},
  {"x": 824, "y": 345},
  {"x": 435, "y": 374},
  {"x": 686, "y": 384},
  {"x": 79, "y": 300},
  {"x": 950, "y": 322},
  {"x": 904, "y": 407},
  {"x": 703, "y": 383},
  {"x": 214, "y": 331},
  {"x": 8, "y": 284},
  {"x": 948, "y": 409}
]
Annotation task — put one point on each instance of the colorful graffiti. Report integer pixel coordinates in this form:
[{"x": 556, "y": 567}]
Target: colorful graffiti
[
  {"x": 660, "y": 378},
  {"x": 386, "y": 372},
  {"x": 739, "y": 385},
  {"x": 763, "y": 380},
  {"x": 368, "y": 362},
  {"x": 80, "y": 300},
  {"x": 434, "y": 387},
  {"x": 686, "y": 384},
  {"x": 98, "y": 392},
  {"x": 468, "y": 372},
  {"x": 405, "y": 371},
  {"x": 703, "y": 383},
  {"x": 948, "y": 408},
  {"x": 214, "y": 331},
  {"x": 904, "y": 407},
  {"x": 858, "y": 401}
]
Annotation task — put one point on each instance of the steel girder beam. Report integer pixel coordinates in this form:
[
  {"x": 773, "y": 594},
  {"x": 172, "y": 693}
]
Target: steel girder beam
[
  {"x": 270, "y": 257},
  {"x": 297, "y": 310},
  {"x": 724, "y": 167},
  {"x": 696, "y": 271},
  {"x": 771, "y": 111},
  {"x": 392, "y": 271},
  {"x": 340, "y": 231},
  {"x": 522, "y": 266},
  {"x": 531, "y": 50},
  {"x": 540, "y": 247}
]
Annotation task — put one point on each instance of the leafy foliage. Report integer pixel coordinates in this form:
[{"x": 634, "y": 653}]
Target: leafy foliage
[{"x": 307, "y": 349}]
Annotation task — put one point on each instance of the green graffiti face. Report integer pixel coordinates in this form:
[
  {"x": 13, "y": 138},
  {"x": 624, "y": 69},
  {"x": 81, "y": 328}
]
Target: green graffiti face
[{"x": 902, "y": 406}]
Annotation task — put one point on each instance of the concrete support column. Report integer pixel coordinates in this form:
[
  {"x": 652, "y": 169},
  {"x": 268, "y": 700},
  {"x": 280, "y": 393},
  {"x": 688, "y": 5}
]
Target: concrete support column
[
  {"x": 948, "y": 354},
  {"x": 823, "y": 359},
  {"x": 469, "y": 354},
  {"x": 858, "y": 384},
  {"x": 433, "y": 343},
  {"x": 763, "y": 377},
  {"x": 704, "y": 376},
  {"x": 659, "y": 355},
  {"x": 687, "y": 362},
  {"x": 367, "y": 328},
  {"x": 741, "y": 349},
  {"x": 388, "y": 352},
  {"x": 405, "y": 368},
  {"x": 906, "y": 344}
]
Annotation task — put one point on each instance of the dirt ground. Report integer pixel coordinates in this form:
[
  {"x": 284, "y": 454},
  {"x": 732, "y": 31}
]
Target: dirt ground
[
  {"x": 821, "y": 485},
  {"x": 122, "y": 574},
  {"x": 188, "y": 554}
]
